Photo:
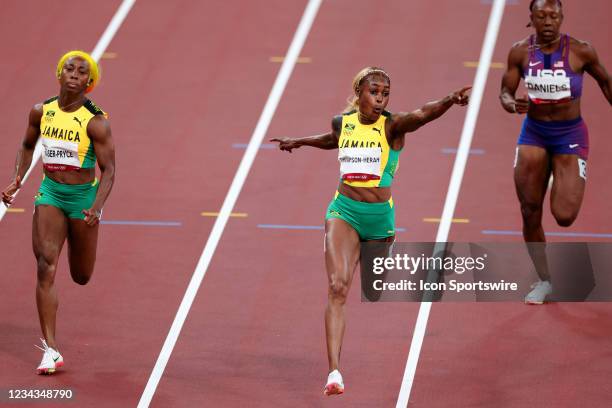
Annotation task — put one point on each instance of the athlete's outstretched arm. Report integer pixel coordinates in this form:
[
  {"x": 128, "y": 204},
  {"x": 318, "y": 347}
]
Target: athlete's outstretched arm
[
  {"x": 325, "y": 141},
  {"x": 596, "y": 70},
  {"x": 25, "y": 153},
  {"x": 99, "y": 131},
  {"x": 402, "y": 123},
  {"x": 511, "y": 80}
]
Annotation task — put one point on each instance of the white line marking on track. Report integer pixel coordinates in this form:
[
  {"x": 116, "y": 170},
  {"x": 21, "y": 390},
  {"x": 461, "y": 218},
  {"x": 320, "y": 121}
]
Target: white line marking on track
[
  {"x": 452, "y": 194},
  {"x": 99, "y": 49},
  {"x": 232, "y": 195}
]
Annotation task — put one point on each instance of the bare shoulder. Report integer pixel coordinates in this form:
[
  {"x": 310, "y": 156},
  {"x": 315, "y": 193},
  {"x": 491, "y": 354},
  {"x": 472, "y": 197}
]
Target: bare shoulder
[
  {"x": 518, "y": 52},
  {"x": 99, "y": 127},
  {"x": 35, "y": 115},
  {"x": 37, "y": 110},
  {"x": 336, "y": 122},
  {"x": 576, "y": 43},
  {"x": 520, "y": 47},
  {"x": 583, "y": 49}
]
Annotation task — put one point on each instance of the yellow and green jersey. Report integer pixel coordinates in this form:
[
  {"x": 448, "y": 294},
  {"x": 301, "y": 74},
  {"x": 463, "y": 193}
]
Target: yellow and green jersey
[
  {"x": 366, "y": 159},
  {"x": 66, "y": 144}
]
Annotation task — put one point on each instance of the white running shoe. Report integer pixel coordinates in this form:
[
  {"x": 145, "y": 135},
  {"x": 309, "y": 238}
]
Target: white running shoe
[
  {"x": 51, "y": 360},
  {"x": 334, "y": 385},
  {"x": 540, "y": 290}
]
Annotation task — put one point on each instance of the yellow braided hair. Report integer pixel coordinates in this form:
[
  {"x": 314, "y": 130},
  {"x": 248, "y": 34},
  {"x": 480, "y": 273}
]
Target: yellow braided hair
[{"x": 94, "y": 69}]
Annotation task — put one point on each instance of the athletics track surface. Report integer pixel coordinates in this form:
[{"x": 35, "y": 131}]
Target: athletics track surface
[{"x": 185, "y": 83}]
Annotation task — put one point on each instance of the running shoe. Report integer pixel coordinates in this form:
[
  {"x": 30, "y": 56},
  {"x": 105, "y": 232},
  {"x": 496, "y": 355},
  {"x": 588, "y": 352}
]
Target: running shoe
[
  {"x": 538, "y": 294},
  {"x": 334, "y": 384},
  {"x": 51, "y": 360}
]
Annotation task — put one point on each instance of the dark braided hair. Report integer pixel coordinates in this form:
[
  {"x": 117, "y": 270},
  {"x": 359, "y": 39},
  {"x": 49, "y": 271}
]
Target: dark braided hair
[{"x": 533, "y": 2}]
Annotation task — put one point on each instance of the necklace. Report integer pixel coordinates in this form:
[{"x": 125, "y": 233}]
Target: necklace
[
  {"x": 540, "y": 46},
  {"x": 65, "y": 108},
  {"x": 364, "y": 120}
]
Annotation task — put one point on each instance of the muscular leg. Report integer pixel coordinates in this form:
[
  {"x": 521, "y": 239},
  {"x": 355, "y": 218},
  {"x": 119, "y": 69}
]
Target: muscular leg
[
  {"x": 531, "y": 175},
  {"x": 367, "y": 275},
  {"x": 341, "y": 256},
  {"x": 82, "y": 244},
  {"x": 49, "y": 230},
  {"x": 568, "y": 188}
]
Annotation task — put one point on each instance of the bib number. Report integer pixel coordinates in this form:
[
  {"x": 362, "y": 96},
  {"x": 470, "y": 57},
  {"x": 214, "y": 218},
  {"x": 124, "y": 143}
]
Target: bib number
[{"x": 360, "y": 164}]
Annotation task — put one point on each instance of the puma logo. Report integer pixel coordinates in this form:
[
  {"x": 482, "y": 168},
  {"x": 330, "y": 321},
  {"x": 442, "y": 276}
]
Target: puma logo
[
  {"x": 78, "y": 121},
  {"x": 377, "y": 130}
]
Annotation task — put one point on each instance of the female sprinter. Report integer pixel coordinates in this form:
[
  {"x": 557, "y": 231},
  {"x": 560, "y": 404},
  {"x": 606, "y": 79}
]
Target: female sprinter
[
  {"x": 554, "y": 138},
  {"x": 369, "y": 140},
  {"x": 68, "y": 206}
]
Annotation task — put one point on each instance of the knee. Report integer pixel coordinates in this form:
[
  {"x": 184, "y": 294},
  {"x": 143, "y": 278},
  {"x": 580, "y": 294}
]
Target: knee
[
  {"x": 530, "y": 210},
  {"x": 338, "y": 289},
  {"x": 45, "y": 271},
  {"x": 565, "y": 218},
  {"x": 81, "y": 279}
]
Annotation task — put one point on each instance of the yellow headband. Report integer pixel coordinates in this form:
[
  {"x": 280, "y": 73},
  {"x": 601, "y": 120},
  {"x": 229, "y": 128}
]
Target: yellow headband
[
  {"x": 94, "y": 69},
  {"x": 370, "y": 71}
]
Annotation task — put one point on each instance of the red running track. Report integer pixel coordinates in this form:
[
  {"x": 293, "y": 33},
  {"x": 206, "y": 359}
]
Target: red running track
[{"x": 511, "y": 355}]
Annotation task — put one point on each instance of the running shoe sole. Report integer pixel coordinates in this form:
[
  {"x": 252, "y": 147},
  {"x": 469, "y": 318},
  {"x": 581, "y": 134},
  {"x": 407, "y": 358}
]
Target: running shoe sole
[
  {"x": 333, "y": 389},
  {"x": 49, "y": 371}
]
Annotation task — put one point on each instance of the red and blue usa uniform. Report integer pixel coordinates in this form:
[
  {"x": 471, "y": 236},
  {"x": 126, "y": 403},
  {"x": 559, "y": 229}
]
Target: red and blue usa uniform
[{"x": 549, "y": 79}]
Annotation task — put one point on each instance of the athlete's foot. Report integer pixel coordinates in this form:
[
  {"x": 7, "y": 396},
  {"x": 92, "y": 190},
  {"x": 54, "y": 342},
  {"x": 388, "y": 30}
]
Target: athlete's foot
[
  {"x": 51, "y": 360},
  {"x": 540, "y": 290},
  {"x": 334, "y": 385}
]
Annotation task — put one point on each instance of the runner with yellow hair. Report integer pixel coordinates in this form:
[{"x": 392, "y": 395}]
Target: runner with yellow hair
[
  {"x": 75, "y": 134},
  {"x": 94, "y": 69}
]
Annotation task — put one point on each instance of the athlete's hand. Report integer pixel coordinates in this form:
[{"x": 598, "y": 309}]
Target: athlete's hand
[
  {"x": 461, "y": 97},
  {"x": 521, "y": 105},
  {"x": 9, "y": 192},
  {"x": 286, "y": 143},
  {"x": 92, "y": 216}
]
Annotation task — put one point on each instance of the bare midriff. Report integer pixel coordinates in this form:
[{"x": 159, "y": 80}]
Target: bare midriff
[
  {"x": 366, "y": 194},
  {"x": 549, "y": 112},
  {"x": 81, "y": 176}
]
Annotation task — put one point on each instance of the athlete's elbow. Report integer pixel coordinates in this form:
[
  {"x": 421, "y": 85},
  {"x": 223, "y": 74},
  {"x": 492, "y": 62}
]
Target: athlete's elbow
[
  {"x": 503, "y": 99},
  {"x": 28, "y": 146}
]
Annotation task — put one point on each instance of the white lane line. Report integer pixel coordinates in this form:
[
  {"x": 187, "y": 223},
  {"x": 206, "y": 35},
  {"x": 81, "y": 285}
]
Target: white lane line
[
  {"x": 112, "y": 28},
  {"x": 232, "y": 195},
  {"x": 452, "y": 194},
  {"x": 99, "y": 49}
]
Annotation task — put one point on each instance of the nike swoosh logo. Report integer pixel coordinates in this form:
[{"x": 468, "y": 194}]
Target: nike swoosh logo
[
  {"x": 534, "y": 64},
  {"x": 55, "y": 359},
  {"x": 573, "y": 146}
]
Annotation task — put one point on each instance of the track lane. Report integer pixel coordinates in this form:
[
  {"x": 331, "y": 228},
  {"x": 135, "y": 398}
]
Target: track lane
[
  {"x": 255, "y": 334},
  {"x": 165, "y": 111},
  {"x": 507, "y": 354}
]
